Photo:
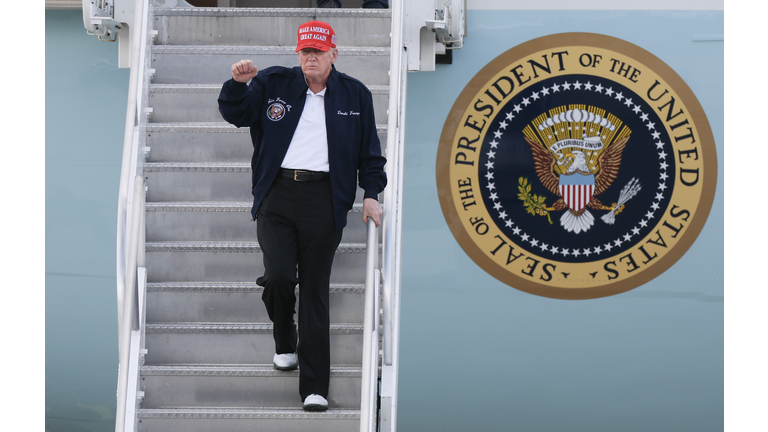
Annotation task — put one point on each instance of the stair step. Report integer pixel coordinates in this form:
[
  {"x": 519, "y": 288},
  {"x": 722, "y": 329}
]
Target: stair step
[
  {"x": 213, "y": 206},
  {"x": 198, "y": 64},
  {"x": 198, "y": 181},
  {"x": 236, "y": 343},
  {"x": 221, "y": 221},
  {"x": 247, "y": 420},
  {"x": 198, "y": 102},
  {"x": 277, "y": 26},
  {"x": 202, "y": 181},
  {"x": 207, "y": 142},
  {"x": 216, "y": 89},
  {"x": 210, "y": 142},
  {"x": 252, "y": 370},
  {"x": 233, "y": 246},
  {"x": 236, "y": 302},
  {"x": 243, "y": 167},
  {"x": 234, "y": 262},
  {"x": 240, "y": 386}
]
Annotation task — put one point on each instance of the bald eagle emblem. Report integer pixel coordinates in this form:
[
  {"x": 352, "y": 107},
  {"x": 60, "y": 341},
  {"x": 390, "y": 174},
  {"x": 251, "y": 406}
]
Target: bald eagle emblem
[
  {"x": 276, "y": 111},
  {"x": 577, "y": 154}
]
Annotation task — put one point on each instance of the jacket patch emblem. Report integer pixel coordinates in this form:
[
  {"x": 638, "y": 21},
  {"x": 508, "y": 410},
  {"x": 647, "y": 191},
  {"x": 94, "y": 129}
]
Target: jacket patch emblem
[{"x": 276, "y": 111}]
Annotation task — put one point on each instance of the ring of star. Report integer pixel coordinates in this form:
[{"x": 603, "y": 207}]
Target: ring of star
[{"x": 552, "y": 249}]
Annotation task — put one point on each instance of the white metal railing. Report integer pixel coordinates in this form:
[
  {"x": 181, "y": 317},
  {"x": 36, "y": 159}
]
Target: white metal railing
[
  {"x": 389, "y": 274},
  {"x": 369, "y": 390},
  {"x": 392, "y": 223},
  {"x": 130, "y": 226},
  {"x": 130, "y": 327}
]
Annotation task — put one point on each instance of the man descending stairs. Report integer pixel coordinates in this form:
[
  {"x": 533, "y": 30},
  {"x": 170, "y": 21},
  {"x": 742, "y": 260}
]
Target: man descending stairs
[
  {"x": 314, "y": 135},
  {"x": 208, "y": 339}
]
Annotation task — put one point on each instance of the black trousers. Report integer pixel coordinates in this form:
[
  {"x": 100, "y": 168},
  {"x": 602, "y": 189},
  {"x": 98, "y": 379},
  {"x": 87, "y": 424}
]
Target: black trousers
[{"x": 298, "y": 241}]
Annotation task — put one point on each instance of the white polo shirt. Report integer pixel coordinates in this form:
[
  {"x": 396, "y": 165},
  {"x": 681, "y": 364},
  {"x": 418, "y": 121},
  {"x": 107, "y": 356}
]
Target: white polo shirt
[{"x": 308, "y": 149}]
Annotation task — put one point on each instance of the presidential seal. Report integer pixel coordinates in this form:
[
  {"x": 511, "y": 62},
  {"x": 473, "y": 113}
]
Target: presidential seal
[
  {"x": 576, "y": 166},
  {"x": 276, "y": 111}
]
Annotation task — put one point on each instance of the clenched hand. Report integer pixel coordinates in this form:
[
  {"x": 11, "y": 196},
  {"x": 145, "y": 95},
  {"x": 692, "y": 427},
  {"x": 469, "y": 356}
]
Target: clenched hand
[{"x": 244, "y": 70}]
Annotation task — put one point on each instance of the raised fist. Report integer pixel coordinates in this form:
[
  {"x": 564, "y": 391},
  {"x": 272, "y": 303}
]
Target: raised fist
[{"x": 244, "y": 70}]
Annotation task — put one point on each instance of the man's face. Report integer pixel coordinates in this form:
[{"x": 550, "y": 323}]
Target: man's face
[{"x": 316, "y": 64}]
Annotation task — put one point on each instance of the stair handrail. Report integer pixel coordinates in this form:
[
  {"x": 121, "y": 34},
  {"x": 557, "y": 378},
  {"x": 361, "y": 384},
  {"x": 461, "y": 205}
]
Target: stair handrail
[
  {"x": 370, "y": 373},
  {"x": 393, "y": 193},
  {"x": 130, "y": 209},
  {"x": 392, "y": 221}
]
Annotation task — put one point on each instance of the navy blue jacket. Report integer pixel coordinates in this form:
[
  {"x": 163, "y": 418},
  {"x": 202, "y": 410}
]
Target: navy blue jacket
[{"x": 271, "y": 106}]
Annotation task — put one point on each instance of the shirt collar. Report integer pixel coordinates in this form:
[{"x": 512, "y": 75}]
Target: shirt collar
[
  {"x": 320, "y": 93},
  {"x": 302, "y": 86}
]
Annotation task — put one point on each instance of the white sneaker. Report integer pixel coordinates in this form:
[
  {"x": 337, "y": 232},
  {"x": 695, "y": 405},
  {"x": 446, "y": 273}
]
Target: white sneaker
[
  {"x": 315, "y": 402},
  {"x": 285, "y": 362}
]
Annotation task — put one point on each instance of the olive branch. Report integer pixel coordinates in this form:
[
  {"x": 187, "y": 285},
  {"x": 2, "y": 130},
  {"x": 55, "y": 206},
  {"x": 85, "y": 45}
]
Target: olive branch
[{"x": 534, "y": 204}]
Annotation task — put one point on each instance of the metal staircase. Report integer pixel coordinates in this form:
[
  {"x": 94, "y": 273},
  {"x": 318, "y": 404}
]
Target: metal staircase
[
  {"x": 195, "y": 342},
  {"x": 208, "y": 339}
]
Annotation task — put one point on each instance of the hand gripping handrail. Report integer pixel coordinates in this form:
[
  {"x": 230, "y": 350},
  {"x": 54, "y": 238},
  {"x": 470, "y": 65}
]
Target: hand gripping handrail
[{"x": 369, "y": 389}]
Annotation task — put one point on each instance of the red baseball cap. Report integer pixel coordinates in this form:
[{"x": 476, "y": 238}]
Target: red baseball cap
[{"x": 316, "y": 34}]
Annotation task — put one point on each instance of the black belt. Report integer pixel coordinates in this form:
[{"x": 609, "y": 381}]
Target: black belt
[{"x": 303, "y": 175}]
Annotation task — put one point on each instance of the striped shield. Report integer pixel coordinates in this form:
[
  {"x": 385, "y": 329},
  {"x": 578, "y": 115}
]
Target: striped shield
[{"x": 577, "y": 189}]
